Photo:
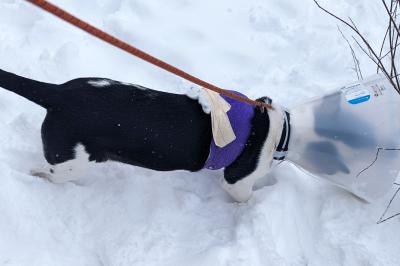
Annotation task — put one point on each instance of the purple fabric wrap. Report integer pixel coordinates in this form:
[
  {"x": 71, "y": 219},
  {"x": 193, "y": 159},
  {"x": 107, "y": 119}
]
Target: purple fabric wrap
[{"x": 240, "y": 116}]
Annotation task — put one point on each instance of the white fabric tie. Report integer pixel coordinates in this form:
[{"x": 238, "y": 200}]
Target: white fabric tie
[{"x": 222, "y": 130}]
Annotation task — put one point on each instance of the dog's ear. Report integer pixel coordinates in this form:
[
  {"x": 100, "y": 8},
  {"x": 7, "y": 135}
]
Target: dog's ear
[{"x": 265, "y": 99}]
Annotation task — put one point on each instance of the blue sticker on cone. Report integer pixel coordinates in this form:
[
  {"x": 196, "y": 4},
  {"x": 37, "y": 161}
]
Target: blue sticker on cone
[{"x": 357, "y": 95}]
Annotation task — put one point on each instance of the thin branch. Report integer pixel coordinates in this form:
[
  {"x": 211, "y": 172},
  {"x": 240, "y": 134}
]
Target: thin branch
[
  {"x": 356, "y": 62},
  {"x": 390, "y": 37},
  {"x": 390, "y": 15},
  {"x": 393, "y": 41},
  {"x": 388, "y": 52},
  {"x": 368, "y": 53},
  {"x": 354, "y": 24},
  {"x": 389, "y": 218},
  {"x": 383, "y": 44},
  {"x": 381, "y": 220},
  {"x": 395, "y": 19}
]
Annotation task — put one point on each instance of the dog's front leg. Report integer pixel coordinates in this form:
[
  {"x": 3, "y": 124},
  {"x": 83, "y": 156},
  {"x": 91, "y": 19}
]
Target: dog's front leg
[
  {"x": 242, "y": 190},
  {"x": 240, "y": 177},
  {"x": 239, "y": 184}
]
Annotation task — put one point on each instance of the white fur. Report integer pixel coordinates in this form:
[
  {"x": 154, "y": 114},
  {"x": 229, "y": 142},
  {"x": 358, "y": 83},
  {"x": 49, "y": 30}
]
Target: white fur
[
  {"x": 242, "y": 190},
  {"x": 100, "y": 83},
  {"x": 136, "y": 86},
  {"x": 71, "y": 170}
]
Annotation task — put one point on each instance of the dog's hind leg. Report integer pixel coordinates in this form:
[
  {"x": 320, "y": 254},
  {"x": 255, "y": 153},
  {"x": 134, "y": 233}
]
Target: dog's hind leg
[
  {"x": 70, "y": 170},
  {"x": 67, "y": 158},
  {"x": 73, "y": 169}
]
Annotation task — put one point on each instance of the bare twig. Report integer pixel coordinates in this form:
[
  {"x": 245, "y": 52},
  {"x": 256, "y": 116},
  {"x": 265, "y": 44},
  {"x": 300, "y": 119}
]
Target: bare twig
[
  {"x": 356, "y": 68},
  {"x": 391, "y": 36},
  {"x": 388, "y": 52},
  {"x": 382, "y": 45},
  {"x": 391, "y": 16},
  {"x": 368, "y": 53},
  {"x": 393, "y": 40},
  {"x": 381, "y": 220}
]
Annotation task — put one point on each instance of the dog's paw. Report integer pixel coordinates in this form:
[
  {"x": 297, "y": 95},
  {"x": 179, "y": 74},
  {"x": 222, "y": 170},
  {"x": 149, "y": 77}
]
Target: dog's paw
[
  {"x": 50, "y": 176},
  {"x": 241, "y": 191},
  {"x": 41, "y": 174}
]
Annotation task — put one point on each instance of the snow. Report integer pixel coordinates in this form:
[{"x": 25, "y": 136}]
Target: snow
[
  {"x": 197, "y": 93},
  {"x": 124, "y": 215}
]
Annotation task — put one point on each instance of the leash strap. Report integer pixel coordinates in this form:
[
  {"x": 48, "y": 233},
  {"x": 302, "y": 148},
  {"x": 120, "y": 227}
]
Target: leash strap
[
  {"x": 62, "y": 14},
  {"x": 281, "y": 150}
]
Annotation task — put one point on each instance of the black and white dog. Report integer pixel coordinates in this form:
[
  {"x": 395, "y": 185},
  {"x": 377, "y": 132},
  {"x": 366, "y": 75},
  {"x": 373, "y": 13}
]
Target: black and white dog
[{"x": 95, "y": 120}]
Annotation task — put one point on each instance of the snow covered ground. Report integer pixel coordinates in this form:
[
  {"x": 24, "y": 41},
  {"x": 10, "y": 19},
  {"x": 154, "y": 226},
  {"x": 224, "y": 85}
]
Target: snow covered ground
[{"x": 123, "y": 215}]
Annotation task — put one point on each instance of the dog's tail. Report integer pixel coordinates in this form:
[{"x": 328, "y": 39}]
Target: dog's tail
[{"x": 43, "y": 94}]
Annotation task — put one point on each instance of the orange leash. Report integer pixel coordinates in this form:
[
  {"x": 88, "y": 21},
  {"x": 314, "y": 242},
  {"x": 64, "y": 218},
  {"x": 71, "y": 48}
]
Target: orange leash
[{"x": 58, "y": 12}]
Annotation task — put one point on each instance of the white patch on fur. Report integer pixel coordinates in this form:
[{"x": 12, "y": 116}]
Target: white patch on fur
[
  {"x": 198, "y": 94},
  {"x": 133, "y": 85},
  {"x": 71, "y": 170},
  {"x": 137, "y": 87},
  {"x": 242, "y": 190},
  {"x": 99, "y": 83},
  {"x": 126, "y": 83}
]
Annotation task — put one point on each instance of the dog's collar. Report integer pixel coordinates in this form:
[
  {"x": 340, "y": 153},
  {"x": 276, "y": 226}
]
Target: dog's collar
[{"x": 282, "y": 149}]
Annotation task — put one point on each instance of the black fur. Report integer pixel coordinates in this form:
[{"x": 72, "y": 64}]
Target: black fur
[
  {"x": 247, "y": 162},
  {"x": 130, "y": 124}
]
